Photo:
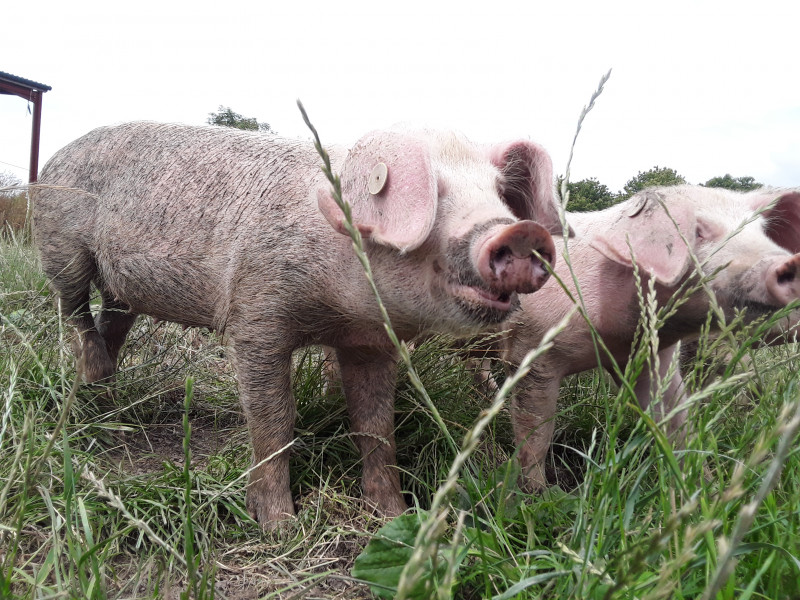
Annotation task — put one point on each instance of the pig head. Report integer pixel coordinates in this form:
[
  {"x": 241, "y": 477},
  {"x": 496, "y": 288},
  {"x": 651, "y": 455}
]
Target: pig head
[
  {"x": 238, "y": 232},
  {"x": 742, "y": 246}
]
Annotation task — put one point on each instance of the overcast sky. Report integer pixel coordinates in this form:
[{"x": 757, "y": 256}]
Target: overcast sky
[{"x": 706, "y": 88}]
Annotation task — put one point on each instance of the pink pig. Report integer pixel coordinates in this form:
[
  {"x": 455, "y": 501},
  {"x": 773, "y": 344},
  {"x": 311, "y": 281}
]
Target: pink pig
[
  {"x": 238, "y": 232},
  {"x": 759, "y": 271}
]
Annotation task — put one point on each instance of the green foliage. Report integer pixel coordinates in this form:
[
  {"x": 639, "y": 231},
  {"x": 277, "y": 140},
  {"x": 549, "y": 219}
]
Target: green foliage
[
  {"x": 204, "y": 586},
  {"x": 383, "y": 560},
  {"x": 741, "y": 184},
  {"x": 225, "y": 117},
  {"x": 657, "y": 176},
  {"x": 588, "y": 195}
]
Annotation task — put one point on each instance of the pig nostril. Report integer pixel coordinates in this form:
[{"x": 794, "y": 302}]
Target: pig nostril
[
  {"x": 786, "y": 277},
  {"x": 501, "y": 253},
  {"x": 541, "y": 258},
  {"x": 501, "y": 258},
  {"x": 786, "y": 273}
]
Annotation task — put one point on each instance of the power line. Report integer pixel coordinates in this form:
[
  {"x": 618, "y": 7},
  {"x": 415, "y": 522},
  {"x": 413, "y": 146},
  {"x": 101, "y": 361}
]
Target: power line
[{"x": 2, "y": 162}]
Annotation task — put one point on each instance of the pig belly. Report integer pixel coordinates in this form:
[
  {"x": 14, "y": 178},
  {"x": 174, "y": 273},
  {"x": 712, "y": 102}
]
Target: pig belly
[{"x": 181, "y": 289}]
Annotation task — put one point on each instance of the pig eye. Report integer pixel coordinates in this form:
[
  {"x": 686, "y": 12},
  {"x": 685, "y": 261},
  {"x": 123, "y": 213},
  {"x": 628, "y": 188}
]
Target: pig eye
[{"x": 706, "y": 231}]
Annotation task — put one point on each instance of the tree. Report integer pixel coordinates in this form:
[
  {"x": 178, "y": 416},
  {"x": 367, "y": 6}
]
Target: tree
[
  {"x": 589, "y": 194},
  {"x": 225, "y": 117},
  {"x": 742, "y": 184},
  {"x": 653, "y": 177},
  {"x": 9, "y": 180}
]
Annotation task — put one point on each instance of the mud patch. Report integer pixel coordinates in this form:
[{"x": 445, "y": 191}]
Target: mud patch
[{"x": 144, "y": 451}]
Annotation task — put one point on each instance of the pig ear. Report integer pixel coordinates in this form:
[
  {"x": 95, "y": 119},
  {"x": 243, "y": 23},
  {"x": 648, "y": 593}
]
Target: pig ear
[
  {"x": 528, "y": 182},
  {"x": 782, "y": 214},
  {"x": 657, "y": 244},
  {"x": 389, "y": 182}
]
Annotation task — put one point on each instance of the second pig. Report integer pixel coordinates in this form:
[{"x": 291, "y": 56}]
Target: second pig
[{"x": 676, "y": 234}]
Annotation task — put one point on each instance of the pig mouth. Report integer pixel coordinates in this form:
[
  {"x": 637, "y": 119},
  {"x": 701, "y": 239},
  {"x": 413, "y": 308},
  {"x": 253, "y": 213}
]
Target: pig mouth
[
  {"x": 483, "y": 305},
  {"x": 479, "y": 295}
]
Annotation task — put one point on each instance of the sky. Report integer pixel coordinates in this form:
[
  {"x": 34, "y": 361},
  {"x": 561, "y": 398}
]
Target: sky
[{"x": 703, "y": 87}]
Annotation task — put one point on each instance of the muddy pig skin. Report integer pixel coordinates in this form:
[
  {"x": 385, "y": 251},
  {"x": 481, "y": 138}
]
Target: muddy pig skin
[
  {"x": 237, "y": 231},
  {"x": 760, "y": 272}
]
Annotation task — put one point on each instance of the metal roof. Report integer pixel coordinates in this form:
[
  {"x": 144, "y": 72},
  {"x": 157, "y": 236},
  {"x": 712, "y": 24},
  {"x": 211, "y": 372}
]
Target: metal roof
[
  {"x": 31, "y": 91},
  {"x": 33, "y": 85}
]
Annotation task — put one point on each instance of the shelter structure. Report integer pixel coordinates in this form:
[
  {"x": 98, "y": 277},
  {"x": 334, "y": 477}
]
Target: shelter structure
[{"x": 32, "y": 92}]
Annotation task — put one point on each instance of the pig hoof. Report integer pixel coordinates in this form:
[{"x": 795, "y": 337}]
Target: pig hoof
[
  {"x": 484, "y": 381},
  {"x": 95, "y": 364},
  {"x": 93, "y": 373},
  {"x": 386, "y": 506},
  {"x": 534, "y": 482},
  {"x": 272, "y": 514}
]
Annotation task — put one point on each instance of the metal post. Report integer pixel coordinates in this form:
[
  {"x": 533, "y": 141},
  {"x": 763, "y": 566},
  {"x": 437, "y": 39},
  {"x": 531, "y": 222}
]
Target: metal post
[{"x": 33, "y": 173}]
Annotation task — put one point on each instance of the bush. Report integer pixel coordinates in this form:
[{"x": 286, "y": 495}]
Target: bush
[{"x": 13, "y": 212}]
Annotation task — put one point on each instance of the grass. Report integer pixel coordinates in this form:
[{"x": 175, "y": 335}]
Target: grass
[
  {"x": 137, "y": 490},
  {"x": 120, "y": 497}
]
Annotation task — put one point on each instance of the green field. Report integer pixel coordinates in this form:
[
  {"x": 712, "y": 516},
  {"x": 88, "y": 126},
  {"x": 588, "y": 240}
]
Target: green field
[{"x": 136, "y": 490}]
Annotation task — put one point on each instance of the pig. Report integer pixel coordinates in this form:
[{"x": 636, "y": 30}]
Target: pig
[
  {"x": 758, "y": 271},
  {"x": 238, "y": 232}
]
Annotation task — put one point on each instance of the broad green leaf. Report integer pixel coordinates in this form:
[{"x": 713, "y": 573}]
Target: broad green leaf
[{"x": 382, "y": 561}]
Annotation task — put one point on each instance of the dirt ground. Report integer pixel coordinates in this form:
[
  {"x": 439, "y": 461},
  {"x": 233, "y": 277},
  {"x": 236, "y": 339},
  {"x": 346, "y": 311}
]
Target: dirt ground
[{"x": 242, "y": 572}]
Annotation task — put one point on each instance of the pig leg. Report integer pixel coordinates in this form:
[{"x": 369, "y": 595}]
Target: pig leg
[
  {"x": 266, "y": 395},
  {"x": 646, "y": 388},
  {"x": 483, "y": 377},
  {"x": 330, "y": 370},
  {"x": 478, "y": 355},
  {"x": 533, "y": 411},
  {"x": 368, "y": 379},
  {"x": 71, "y": 270},
  {"x": 113, "y": 323}
]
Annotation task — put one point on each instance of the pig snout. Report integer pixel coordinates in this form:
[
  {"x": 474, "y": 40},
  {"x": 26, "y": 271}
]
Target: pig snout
[
  {"x": 783, "y": 280},
  {"x": 507, "y": 257}
]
